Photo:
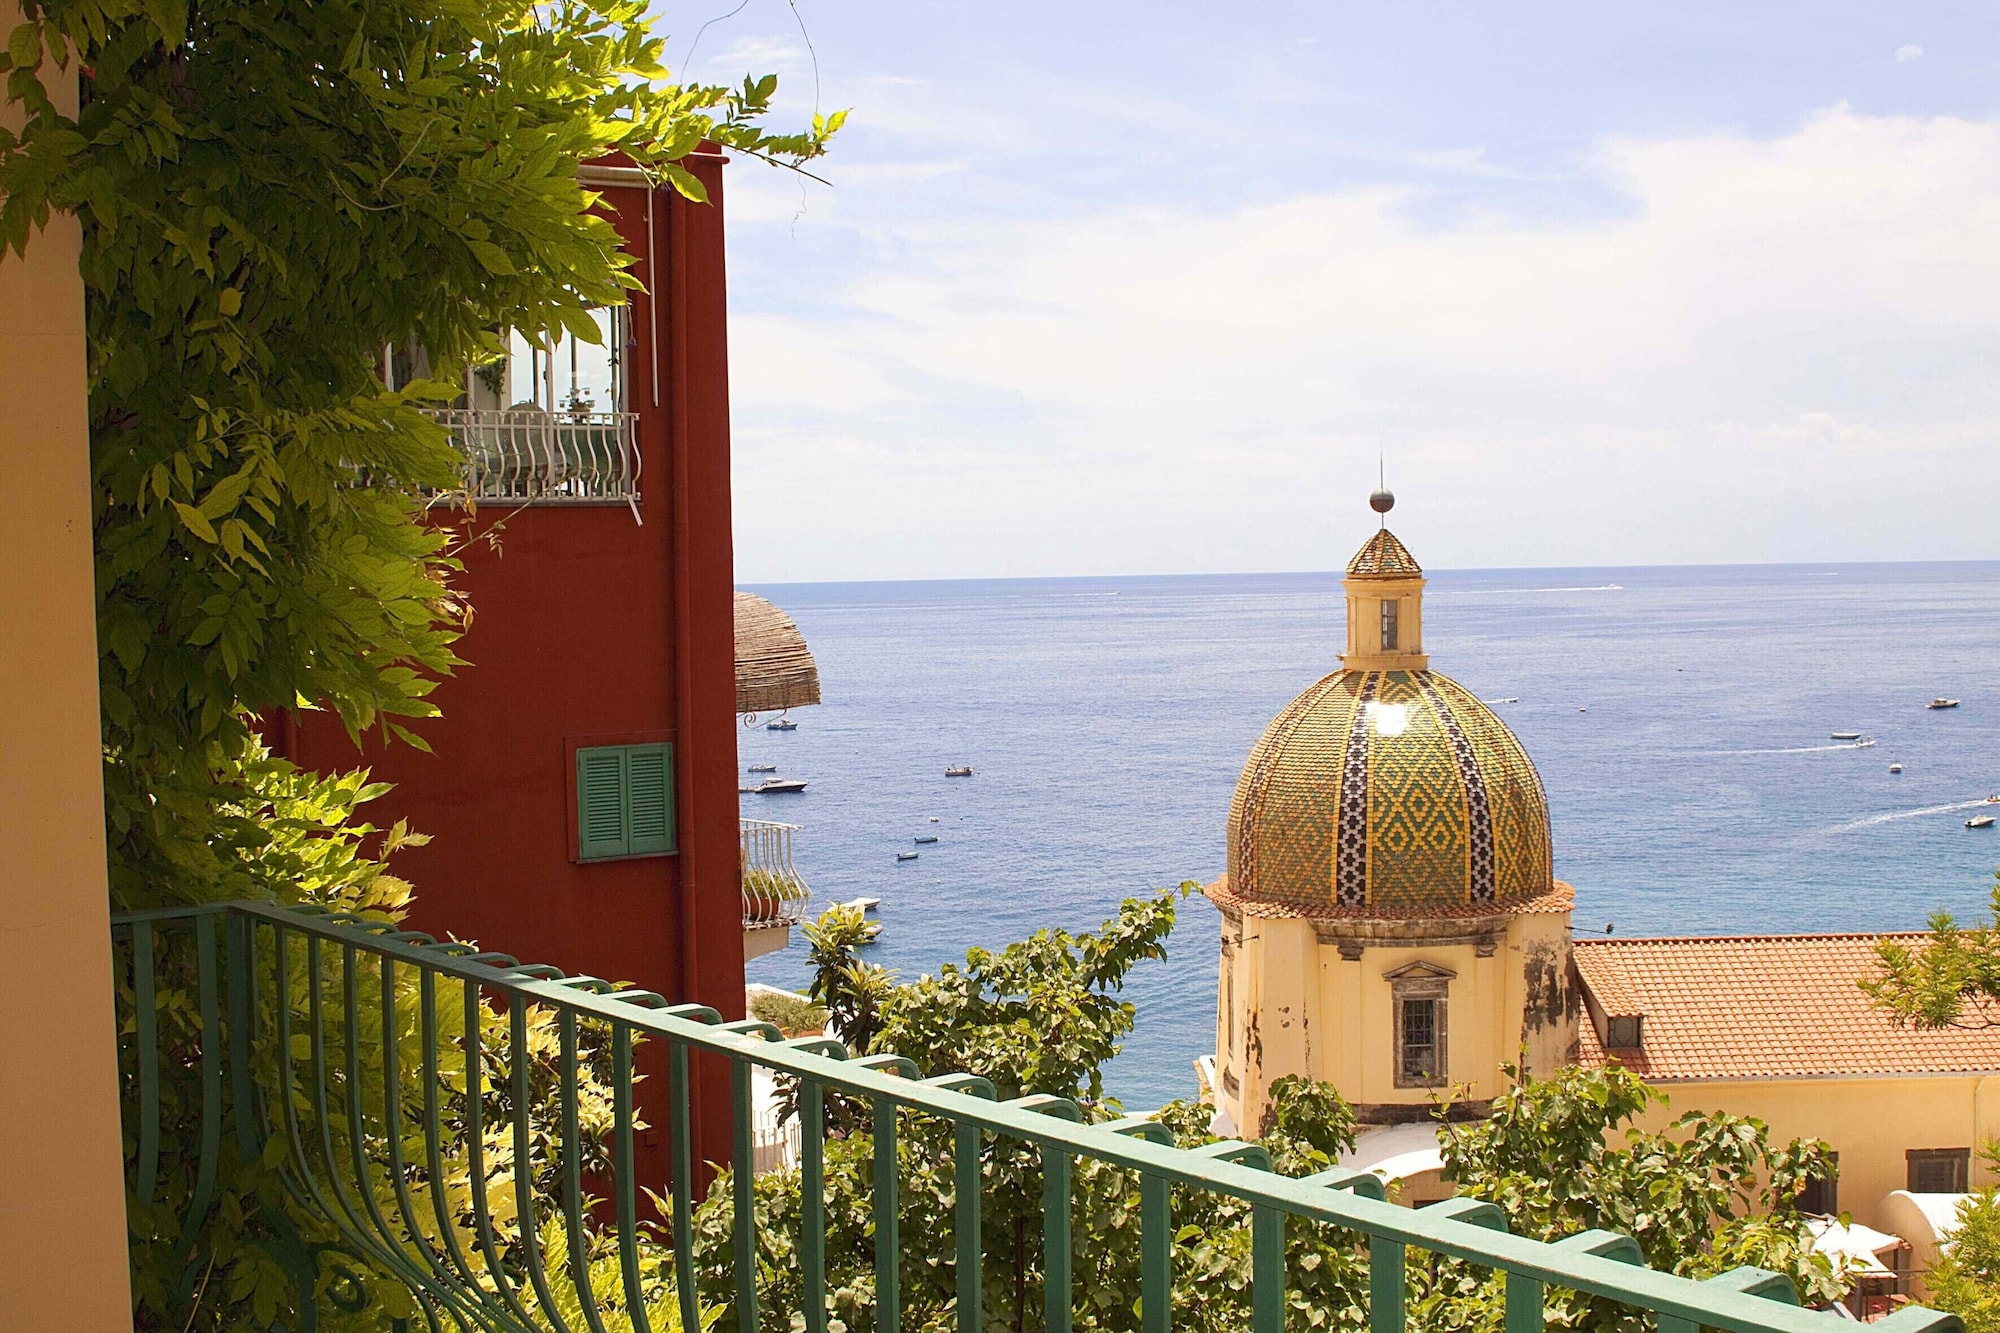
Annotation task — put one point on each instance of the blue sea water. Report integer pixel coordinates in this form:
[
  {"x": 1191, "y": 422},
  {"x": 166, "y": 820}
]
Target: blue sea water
[{"x": 1107, "y": 719}]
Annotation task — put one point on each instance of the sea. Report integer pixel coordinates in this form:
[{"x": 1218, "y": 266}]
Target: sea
[{"x": 1681, "y": 719}]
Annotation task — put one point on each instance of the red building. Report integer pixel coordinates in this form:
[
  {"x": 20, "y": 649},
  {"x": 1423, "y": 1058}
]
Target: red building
[{"x": 581, "y": 796}]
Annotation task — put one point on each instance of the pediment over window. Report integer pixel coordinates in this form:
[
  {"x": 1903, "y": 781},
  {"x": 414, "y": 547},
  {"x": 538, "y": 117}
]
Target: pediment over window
[{"x": 1420, "y": 971}]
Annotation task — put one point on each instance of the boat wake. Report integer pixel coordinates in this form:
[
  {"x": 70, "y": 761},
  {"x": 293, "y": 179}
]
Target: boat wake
[
  {"x": 1797, "y": 749},
  {"x": 1895, "y": 815},
  {"x": 1497, "y": 592}
]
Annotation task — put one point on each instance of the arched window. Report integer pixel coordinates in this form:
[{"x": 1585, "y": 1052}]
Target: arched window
[{"x": 1388, "y": 624}]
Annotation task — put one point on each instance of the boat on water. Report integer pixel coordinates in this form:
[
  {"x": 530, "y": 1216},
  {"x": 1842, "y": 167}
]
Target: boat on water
[
  {"x": 763, "y": 768},
  {"x": 1993, "y": 800},
  {"x": 959, "y": 771},
  {"x": 774, "y": 786},
  {"x": 911, "y": 856},
  {"x": 927, "y": 837},
  {"x": 1846, "y": 735},
  {"x": 1942, "y": 702},
  {"x": 1980, "y": 821},
  {"x": 934, "y": 819},
  {"x": 1895, "y": 768},
  {"x": 781, "y": 724},
  {"x": 1509, "y": 700},
  {"x": 1866, "y": 742},
  {"x": 863, "y": 904}
]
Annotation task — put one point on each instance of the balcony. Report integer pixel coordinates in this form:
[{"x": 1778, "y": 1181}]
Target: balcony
[
  {"x": 774, "y": 893},
  {"x": 530, "y": 456},
  {"x": 255, "y": 1035}
]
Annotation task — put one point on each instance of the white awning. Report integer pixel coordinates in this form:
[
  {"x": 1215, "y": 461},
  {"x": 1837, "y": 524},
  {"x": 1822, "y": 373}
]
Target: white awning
[
  {"x": 1396, "y": 1152},
  {"x": 1859, "y": 1248}
]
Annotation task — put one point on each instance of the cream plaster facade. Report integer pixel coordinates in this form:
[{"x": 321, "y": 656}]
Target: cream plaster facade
[
  {"x": 1317, "y": 998},
  {"x": 62, "y": 1186},
  {"x": 1872, "y": 1122}
]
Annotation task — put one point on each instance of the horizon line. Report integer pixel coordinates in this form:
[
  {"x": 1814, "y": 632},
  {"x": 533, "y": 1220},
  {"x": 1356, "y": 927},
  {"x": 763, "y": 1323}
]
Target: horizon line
[{"x": 1830, "y": 565}]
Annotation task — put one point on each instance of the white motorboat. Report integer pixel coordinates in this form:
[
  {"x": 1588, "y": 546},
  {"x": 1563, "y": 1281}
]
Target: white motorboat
[
  {"x": 1846, "y": 736},
  {"x": 1942, "y": 702},
  {"x": 911, "y": 856},
  {"x": 1980, "y": 821},
  {"x": 959, "y": 771},
  {"x": 775, "y": 786}
]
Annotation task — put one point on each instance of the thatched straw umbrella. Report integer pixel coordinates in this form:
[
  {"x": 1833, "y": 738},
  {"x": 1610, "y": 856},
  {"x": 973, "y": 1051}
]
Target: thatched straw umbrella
[{"x": 774, "y": 668}]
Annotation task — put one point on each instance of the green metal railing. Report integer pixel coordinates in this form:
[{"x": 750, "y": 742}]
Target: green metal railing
[{"x": 299, "y": 1030}]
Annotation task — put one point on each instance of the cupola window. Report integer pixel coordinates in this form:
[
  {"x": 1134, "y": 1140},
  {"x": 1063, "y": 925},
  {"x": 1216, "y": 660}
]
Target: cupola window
[
  {"x": 1417, "y": 993},
  {"x": 1388, "y": 624},
  {"x": 1418, "y": 1047}
]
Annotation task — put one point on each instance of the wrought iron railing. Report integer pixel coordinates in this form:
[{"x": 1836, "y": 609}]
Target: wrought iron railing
[
  {"x": 284, "y": 1002},
  {"x": 531, "y": 456},
  {"x": 774, "y": 893}
]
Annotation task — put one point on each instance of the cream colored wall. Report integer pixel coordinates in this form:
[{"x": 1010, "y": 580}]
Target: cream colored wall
[
  {"x": 1870, "y": 1122},
  {"x": 62, "y": 1189},
  {"x": 1364, "y": 624},
  {"x": 1304, "y": 1009}
]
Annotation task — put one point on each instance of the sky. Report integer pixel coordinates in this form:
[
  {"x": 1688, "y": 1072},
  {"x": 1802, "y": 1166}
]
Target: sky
[{"x": 1109, "y": 288}]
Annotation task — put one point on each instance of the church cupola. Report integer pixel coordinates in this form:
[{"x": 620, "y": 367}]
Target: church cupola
[{"x": 1385, "y": 602}]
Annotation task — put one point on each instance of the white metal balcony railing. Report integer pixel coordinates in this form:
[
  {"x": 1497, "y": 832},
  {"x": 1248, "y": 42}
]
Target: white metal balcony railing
[
  {"x": 527, "y": 455},
  {"x": 774, "y": 893}
]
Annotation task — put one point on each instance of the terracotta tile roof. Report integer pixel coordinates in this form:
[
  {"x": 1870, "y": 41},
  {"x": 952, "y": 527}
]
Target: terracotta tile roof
[
  {"x": 1761, "y": 1006},
  {"x": 1383, "y": 554},
  {"x": 1561, "y": 898}
]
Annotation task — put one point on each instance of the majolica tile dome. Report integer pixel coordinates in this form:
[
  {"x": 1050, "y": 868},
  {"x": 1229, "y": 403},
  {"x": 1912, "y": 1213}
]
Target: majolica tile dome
[{"x": 1387, "y": 789}]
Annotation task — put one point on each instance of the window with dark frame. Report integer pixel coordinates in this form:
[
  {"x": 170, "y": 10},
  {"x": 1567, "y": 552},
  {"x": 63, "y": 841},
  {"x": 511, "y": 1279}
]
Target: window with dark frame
[
  {"x": 1418, "y": 1010},
  {"x": 1419, "y": 1045},
  {"x": 1822, "y": 1196},
  {"x": 1389, "y": 625},
  {"x": 1938, "y": 1170}
]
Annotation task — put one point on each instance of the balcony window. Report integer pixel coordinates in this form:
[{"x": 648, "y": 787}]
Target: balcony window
[{"x": 546, "y": 425}]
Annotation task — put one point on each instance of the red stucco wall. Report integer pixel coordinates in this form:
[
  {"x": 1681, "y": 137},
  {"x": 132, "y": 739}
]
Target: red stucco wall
[{"x": 590, "y": 628}]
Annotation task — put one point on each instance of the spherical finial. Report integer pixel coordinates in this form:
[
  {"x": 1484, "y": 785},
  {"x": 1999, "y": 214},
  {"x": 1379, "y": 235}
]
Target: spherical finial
[{"x": 1382, "y": 501}]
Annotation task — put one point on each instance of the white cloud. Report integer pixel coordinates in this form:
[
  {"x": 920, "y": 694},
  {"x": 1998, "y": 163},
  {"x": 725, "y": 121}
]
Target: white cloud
[
  {"x": 1905, "y": 54},
  {"x": 1778, "y": 349}
]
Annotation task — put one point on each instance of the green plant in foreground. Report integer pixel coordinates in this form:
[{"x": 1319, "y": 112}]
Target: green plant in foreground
[
  {"x": 790, "y": 1014},
  {"x": 270, "y": 196}
]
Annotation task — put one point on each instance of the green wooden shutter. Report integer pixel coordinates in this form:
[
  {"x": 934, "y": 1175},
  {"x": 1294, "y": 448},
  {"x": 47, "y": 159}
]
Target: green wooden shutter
[
  {"x": 649, "y": 798},
  {"x": 600, "y": 803}
]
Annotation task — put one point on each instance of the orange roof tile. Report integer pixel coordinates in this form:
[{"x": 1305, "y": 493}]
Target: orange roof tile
[
  {"x": 1761, "y": 1006},
  {"x": 1383, "y": 554}
]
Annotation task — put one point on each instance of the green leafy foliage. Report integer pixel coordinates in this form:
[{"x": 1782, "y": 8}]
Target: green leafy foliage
[
  {"x": 1559, "y": 1156},
  {"x": 270, "y": 197},
  {"x": 1952, "y": 979},
  {"x": 790, "y": 1014},
  {"x": 1041, "y": 1016},
  {"x": 1966, "y": 1277},
  {"x": 1707, "y": 1194}
]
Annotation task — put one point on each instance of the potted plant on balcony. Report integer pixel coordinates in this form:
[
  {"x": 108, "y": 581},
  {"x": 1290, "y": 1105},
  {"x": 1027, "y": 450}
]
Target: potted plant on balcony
[{"x": 769, "y": 894}]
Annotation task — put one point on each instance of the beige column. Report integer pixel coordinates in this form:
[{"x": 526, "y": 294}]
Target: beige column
[{"x": 62, "y": 1188}]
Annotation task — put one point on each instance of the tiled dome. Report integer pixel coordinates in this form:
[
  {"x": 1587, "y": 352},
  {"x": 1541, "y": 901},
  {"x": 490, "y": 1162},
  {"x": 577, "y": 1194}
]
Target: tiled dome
[{"x": 1387, "y": 793}]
